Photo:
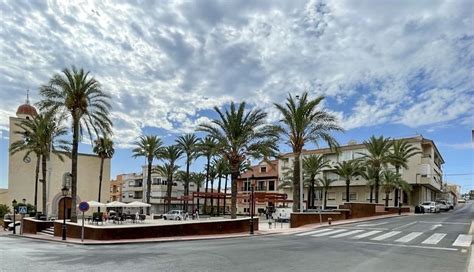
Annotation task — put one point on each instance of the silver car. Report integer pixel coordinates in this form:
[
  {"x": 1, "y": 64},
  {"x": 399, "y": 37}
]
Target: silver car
[
  {"x": 175, "y": 215},
  {"x": 430, "y": 206}
]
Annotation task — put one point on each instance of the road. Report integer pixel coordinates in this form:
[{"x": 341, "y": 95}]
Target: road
[{"x": 409, "y": 243}]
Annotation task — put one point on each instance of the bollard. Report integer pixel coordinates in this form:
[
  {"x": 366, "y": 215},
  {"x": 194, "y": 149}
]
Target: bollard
[{"x": 329, "y": 220}]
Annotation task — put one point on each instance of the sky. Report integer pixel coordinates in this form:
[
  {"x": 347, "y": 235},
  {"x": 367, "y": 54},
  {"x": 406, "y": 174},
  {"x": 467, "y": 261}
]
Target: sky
[{"x": 392, "y": 68}]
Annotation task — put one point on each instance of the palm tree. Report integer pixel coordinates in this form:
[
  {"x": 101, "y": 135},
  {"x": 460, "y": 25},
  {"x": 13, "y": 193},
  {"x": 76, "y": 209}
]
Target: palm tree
[
  {"x": 171, "y": 154},
  {"x": 81, "y": 97},
  {"x": 325, "y": 184},
  {"x": 221, "y": 169},
  {"x": 369, "y": 175},
  {"x": 41, "y": 136},
  {"x": 313, "y": 166},
  {"x": 188, "y": 145},
  {"x": 104, "y": 148},
  {"x": 347, "y": 170},
  {"x": 378, "y": 157},
  {"x": 198, "y": 179},
  {"x": 303, "y": 122},
  {"x": 148, "y": 147},
  {"x": 207, "y": 148},
  {"x": 391, "y": 181},
  {"x": 241, "y": 134},
  {"x": 401, "y": 152}
]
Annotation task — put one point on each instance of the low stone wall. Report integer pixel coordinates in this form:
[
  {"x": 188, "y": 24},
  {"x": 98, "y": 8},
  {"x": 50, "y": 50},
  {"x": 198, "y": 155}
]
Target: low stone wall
[
  {"x": 392, "y": 210},
  {"x": 156, "y": 231},
  {"x": 31, "y": 225},
  {"x": 359, "y": 210},
  {"x": 301, "y": 219}
]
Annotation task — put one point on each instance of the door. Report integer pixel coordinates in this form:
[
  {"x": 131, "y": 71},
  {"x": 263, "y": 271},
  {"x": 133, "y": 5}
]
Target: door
[{"x": 61, "y": 208}]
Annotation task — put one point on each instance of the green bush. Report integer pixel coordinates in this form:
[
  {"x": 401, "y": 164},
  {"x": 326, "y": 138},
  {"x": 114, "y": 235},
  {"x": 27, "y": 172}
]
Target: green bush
[{"x": 4, "y": 209}]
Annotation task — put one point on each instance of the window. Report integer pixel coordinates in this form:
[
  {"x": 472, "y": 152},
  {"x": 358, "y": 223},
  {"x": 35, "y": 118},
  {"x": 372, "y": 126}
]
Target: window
[
  {"x": 352, "y": 196},
  {"x": 130, "y": 194},
  {"x": 246, "y": 210},
  {"x": 331, "y": 196},
  {"x": 246, "y": 186},
  {"x": 123, "y": 196},
  {"x": 261, "y": 186},
  {"x": 271, "y": 185},
  {"x": 263, "y": 169}
]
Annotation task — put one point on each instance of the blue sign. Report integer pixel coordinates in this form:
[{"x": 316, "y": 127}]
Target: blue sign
[
  {"x": 22, "y": 209},
  {"x": 83, "y": 206}
]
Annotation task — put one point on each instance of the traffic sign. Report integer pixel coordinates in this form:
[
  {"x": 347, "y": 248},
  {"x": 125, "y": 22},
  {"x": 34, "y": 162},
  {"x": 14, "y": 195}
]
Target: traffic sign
[
  {"x": 83, "y": 206},
  {"x": 22, "y": 209}
]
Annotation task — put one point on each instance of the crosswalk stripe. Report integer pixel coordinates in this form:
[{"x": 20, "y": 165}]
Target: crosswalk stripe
[
  {"x": 407, "y": 238},
  {"x": 367, "y": 234},
  {"x": 312, "y": 232},
  {"x": 346, "y": 233},
  {"x": 385, "y": 236},
  {"x": 434, "y": 239},
  {"x": 463, "y": 240},
  {"x": 328, "y": 233}
]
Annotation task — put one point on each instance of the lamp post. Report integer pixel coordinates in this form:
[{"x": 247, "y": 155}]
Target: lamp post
[
  {"x": 64, "y": 191},
  {"x": 14, "y": 204},
  {"x": 252, "y": 200}
]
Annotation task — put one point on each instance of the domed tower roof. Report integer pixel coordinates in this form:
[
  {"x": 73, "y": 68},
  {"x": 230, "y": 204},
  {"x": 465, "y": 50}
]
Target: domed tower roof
[{"x": 26, "y": 109}]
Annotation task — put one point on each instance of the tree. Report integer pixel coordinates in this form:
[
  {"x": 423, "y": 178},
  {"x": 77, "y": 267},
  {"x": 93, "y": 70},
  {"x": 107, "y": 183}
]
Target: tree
[
  {"x": 104, "y": 148},
  {"x": 391, "y": 181},
  {"x": 401, "y": 152},
  {"x": 198, "y": 179},
  {"x": 80, "y": 96},
  {"x": 188, "y": 144},
  {"x": 241, "y": 134},
  {"x": 369, "y": 175},
  {"x": 347, "y": 170},
  {"x": 171, "y": 154},
  {"x": 41, "y": 136},
  {"x": 222, "y": 168},
  {"x": 303, "y": 122},
  {"x": 313, "y": 166},
  {"x": 148, "y": 147},
  {"x": 378, "y": 156},
  {"x": 325, "y": 184},
  {"x": 207, "y": 148}
]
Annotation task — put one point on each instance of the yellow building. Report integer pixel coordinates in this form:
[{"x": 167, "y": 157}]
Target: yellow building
[{"x": 21, "y": 174}]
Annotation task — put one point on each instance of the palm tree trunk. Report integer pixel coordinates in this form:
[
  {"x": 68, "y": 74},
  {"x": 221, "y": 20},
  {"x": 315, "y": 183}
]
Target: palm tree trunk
[
  {"x": 386, "y": 199},
  {"x": 74, "y": 153},
  {"x": 325, "y": 199},
  {"x": 296, "y": 183},
  {"x": 198, "y": 190},
  {"x": 148, "y": 185},
  {"x": 186, "y": 184},
  {"x": 100, "y": 179},
  {"x": 43, "y": 170},
  {"x": 207, "y": 182},
  {"x": 377, "y": 188},
  {"x": 36, "y": 180},
  {"x": 233, "y": 203},
  {"x": 212, "y": 197},
  {"x": 397, "y": 192},
  {"x": 348, "y": 182},
  {"x": 313, "y": 193},
  {"x": 371, "y": 193},
  {"x": 218, "y": 197},
  {"x": 225, "y": 191},
  {"x": 168, "y": 193}
]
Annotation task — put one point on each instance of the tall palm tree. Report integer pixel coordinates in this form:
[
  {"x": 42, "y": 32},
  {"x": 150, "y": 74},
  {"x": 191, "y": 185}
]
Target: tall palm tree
[
  {"x": 80, "y": 96},
  {"x": 104, "y": 148},
  {"x": 347, "y": 170},
  {"x": 241, "y": 134},
  {"x": 198, "y": 179},
  {"x": 391, "y": 181},
  {"x": 401, "y": 152},
  {"x": 378, "y": 157},
  {"x": 369, "y": 175},
  {"x": 221, "y": 169},
  {"x": 188, "y": 144},
  {"x": 303, "y": 122},
  {"x": 325, "y": 185},
  {"x": 207, "y": 148},
  {"x": 212, "y": 177},
  {"x": 41, "y": 136},
  {"x": 171, "y": 154},
  {"x": 148, "y": 147},
  {"x": 313, "y": 165}
]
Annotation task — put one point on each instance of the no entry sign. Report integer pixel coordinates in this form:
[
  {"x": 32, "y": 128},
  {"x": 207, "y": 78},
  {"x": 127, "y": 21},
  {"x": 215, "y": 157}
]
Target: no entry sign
[{"x": 83, "y": 206}]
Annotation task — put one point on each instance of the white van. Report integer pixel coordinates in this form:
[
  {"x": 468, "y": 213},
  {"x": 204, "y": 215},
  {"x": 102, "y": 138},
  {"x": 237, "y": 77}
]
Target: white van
[{"x": 282, "y": 214}]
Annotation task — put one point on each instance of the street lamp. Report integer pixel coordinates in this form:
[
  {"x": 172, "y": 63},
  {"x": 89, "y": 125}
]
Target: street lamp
[
  {"x": 252, "y": 200},
  {"x": 14, "y": 204},
  {"x": 64, "y": 191}
]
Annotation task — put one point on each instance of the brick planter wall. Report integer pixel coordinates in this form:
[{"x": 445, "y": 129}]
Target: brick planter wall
[
  {"x": 300, "y": 219},
  {"x": 33, "y": 226}
]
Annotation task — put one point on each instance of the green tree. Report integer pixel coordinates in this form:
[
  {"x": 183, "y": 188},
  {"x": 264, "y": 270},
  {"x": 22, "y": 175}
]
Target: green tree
[
  {"x": 391, "y": 181},
  {"x": 188, "y": 144},
  {"x": 198, "y": 179},
  {"x": 80, "y": 96},
  {"x": 4, "y": 209},
  {"x": 369, "y": 175},
  {"x": 347, "y": 170},
  {"x": 171, "y": 154},
  {"x": 104, "y": 148},
  {"x": 302, "y": 123},
  {"x": 401, "y": 152},
  {"x": 241, "y": 134},
  {"x": 378, "y": 156},
  {"x": 222, "y": 169},
  {"x": 148, "y": 147},
  {"x": 313, "y": 165},
  {"x": 207, "y": 148},
  {"x": 325, "y": 185}
]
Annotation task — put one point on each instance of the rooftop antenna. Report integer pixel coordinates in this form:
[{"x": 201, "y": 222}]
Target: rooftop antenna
[{"x": 27, "y": 97}]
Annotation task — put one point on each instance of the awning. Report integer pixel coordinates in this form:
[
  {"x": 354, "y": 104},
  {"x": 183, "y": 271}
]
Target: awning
[
  {"x": 115, "y": 204},
  {"x": 137, "y": 204}
]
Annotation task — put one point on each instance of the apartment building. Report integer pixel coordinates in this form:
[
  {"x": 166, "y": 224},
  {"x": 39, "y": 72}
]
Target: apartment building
[{"x": 116, "y": 188}]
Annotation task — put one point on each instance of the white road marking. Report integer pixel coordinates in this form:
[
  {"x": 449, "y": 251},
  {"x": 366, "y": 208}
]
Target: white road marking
[
  {"x": 367, "y": 234},
  {"x": 401, "y": 245},
  {"x": 346, "y": 233},
  {"x": 312, "y": 232},
  {"x": 406, "y": 225},
  {"x": 328, "y": 233},
  {"x": 446, "y": 223},
  {"x": 434, "y": 239},
  {"x": 385, "y": 236},
  {"x": 407, "y": 238},
  {"x": 463, "y": 240},
  {"x": 372, "y": 225},
  {"x": 436, "y": 226}
]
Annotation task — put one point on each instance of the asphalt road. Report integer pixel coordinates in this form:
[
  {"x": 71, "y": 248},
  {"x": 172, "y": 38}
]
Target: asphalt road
[{"x": 396, "y": 244}]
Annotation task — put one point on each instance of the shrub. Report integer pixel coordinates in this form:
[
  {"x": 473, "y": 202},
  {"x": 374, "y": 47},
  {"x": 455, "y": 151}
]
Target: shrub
[{"x": 4, "y": 209}]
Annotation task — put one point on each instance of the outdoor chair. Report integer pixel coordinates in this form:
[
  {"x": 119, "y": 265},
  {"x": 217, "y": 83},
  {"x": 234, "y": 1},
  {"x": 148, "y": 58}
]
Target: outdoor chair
[{"x": 141, "y": 217}]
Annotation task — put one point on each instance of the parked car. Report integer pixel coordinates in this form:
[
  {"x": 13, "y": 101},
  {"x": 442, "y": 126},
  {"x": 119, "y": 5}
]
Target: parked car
[
  {"x": 443, "y": 205},
  {"x": 282, "y": 214},
  {"x": 451, "y": 205},
  {"x": 430, "y": 206},
  {"x": 175, "y": 215}
]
